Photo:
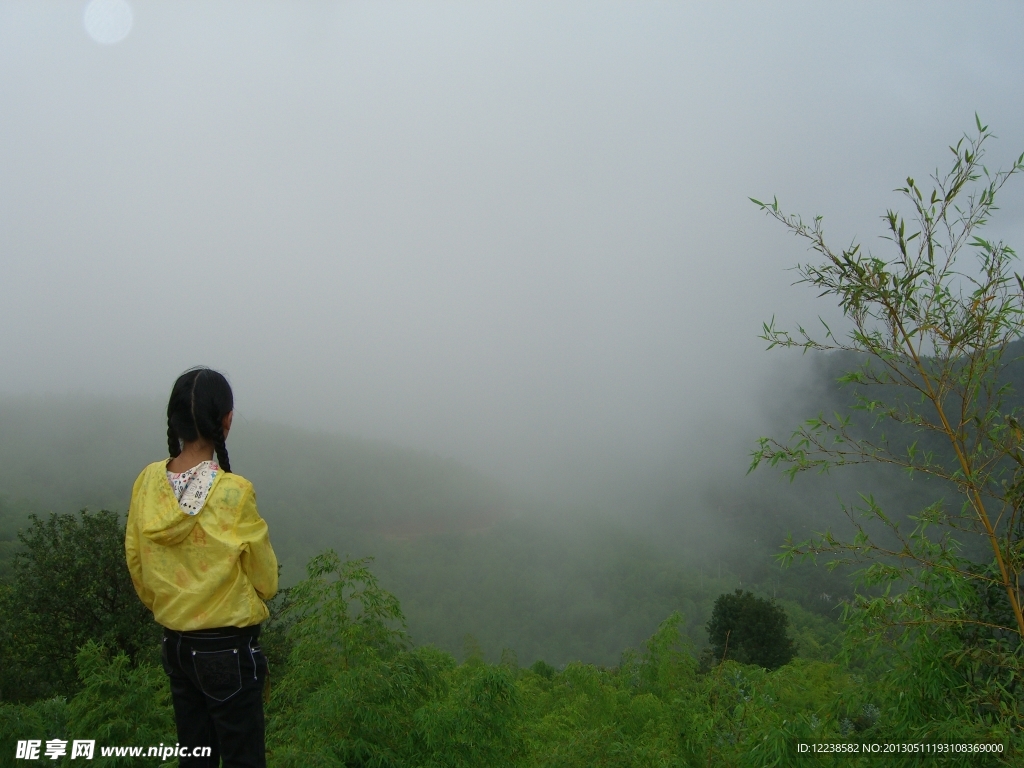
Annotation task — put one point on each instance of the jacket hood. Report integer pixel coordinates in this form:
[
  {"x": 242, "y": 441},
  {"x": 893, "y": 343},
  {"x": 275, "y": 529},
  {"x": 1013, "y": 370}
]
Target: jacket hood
[{"x": 163, "y": 521}]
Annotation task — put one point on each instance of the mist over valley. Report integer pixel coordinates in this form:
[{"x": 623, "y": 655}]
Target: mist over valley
[{"x": 550, "y": 576}]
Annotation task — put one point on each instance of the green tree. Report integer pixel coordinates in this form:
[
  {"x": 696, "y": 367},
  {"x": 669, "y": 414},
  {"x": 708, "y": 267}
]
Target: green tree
[
  {"x": 45, "y": 719},
  {"x": 120, "y": 704},
  {"x": 354, "y": 694},
  {"x": 71, "y": 585},
  {"x": 750, "y": 630},
  {"x": 931, "y": 330}
]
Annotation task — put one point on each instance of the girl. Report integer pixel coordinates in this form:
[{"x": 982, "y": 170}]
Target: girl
[{"x": 200, "y": 559}]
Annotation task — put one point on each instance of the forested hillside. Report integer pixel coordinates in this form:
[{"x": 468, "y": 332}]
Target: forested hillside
[{"x": 465, "y": 554}]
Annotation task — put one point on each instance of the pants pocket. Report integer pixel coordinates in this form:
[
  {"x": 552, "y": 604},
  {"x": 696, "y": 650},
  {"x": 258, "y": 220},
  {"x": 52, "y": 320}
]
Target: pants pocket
[{"x": 218, "y": 673}]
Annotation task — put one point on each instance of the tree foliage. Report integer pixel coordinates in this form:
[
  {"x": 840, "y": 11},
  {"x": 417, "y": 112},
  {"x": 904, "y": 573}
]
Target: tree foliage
[
  {"x": 356, "y": 694},
  {"x": 750, "y": 630},
  {"x": 71, "y": 585},
  {"x": 351, "y": 674},
  {"x": 932, "y": 329}
]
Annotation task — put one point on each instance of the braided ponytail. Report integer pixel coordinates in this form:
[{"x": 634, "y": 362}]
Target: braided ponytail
[
  {"x": 220, "y": 446},
  {"x": 173, "y": 443}
]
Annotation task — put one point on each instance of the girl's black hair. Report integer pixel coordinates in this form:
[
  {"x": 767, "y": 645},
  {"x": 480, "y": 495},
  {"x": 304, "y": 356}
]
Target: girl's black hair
[{"x": 200, "y": 399}]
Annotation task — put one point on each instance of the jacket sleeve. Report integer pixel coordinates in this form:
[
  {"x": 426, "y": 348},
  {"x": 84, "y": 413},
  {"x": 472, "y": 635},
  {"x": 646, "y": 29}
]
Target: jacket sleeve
[
  {"x": 132, "y": 551},
  {"x": 259, "y": 563}
]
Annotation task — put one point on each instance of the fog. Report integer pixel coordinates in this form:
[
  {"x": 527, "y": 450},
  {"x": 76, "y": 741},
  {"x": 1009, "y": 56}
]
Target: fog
[{"x": 516, "y": 235}]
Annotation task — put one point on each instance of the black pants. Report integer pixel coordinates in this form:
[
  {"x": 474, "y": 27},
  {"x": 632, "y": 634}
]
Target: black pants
[{"x": 217, "y": 678}]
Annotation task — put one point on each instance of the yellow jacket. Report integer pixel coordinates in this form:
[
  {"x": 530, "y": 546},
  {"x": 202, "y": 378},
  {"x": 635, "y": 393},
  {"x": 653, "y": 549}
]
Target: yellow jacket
[{"x": 213, "y": 569}]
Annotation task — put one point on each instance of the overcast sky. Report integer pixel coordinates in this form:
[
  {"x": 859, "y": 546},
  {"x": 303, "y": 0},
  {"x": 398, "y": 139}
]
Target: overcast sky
[{"x": 515, "y": 234}]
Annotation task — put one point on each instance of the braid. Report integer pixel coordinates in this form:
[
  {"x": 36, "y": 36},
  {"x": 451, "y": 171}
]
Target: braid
[
  {"x": 220, "y": 446},
  {"x": 173, "y": 443}
]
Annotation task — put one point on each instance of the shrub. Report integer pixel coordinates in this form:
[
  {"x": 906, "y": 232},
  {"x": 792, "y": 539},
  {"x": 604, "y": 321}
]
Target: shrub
[{"x": 750, "y": 630}]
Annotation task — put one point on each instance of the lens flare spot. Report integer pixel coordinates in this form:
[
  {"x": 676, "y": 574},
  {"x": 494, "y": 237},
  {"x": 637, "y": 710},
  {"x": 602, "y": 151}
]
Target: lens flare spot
[{"x": 107, "y": 21}]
